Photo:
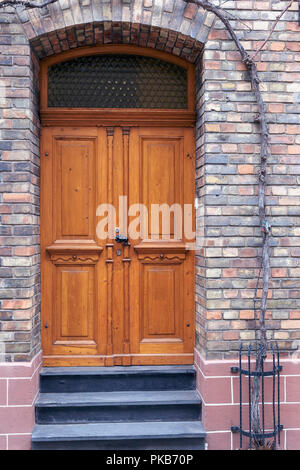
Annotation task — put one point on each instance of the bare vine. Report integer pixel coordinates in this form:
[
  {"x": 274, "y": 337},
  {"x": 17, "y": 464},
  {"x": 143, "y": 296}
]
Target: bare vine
[{"x": 249, "y": 62}]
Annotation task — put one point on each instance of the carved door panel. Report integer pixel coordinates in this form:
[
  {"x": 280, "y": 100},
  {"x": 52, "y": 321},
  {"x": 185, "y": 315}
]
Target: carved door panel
[
  {"x": 73, "y": 265},
  {"x": 162, "y": 268},
  {"x": 103, "y": 302}
]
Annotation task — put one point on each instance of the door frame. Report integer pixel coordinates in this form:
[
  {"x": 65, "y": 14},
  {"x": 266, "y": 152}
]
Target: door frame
[{"x": 105, "y": 118}]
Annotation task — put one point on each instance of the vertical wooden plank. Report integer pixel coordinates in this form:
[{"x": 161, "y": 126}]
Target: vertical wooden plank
[
  {"x": 102, "y": 271},
  {"x": 109, "y": 247},
  {"x": 126, "y": 255},
  {"x": 47, "y": 293},
  {"x": 134, "y": 196},
  {"x": 188, "y": 171},
  {"x": 118, "y": 268}
]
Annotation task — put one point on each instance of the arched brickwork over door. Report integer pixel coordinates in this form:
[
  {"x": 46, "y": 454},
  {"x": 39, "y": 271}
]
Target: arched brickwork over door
[{"x": 170, "y": 25}]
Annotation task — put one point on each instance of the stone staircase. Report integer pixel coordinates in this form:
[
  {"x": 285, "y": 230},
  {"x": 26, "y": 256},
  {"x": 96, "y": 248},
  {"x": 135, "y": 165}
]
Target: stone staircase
[{"x": 115, "y": 408}]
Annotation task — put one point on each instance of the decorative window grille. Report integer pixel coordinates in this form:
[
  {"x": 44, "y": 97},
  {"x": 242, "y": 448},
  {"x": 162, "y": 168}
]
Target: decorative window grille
[{"x": 117, "y": 81}]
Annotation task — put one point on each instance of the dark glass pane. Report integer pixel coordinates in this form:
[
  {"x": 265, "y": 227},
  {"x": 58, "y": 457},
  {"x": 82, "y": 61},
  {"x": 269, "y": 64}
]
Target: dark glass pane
[{"x": 117, "y": 81}]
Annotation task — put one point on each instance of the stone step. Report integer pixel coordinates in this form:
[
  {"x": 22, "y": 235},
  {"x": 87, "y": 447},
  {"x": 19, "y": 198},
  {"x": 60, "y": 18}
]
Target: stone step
[
  {"x": 183, "y": 435},
  {"x": 59, "y": 408},
  {"x": 112, "y": 379}
]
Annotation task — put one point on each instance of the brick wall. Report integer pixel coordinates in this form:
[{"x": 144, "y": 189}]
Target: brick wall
[
  {"x": 227, "y": 168},
  {"x": 19, "y": 198}
]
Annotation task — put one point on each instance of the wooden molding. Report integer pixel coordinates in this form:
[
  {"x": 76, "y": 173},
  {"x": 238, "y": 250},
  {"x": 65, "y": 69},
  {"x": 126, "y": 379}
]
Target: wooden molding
[
  {"x": 161, "y": 246},
  {"x": 74, "y": 252},
  {"x": 117, "y": 117},
  {"x": 161, "y": 251}
]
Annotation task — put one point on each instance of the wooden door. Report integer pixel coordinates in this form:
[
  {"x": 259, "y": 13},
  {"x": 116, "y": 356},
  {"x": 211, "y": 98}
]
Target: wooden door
[{"x": 103, "y": 302}]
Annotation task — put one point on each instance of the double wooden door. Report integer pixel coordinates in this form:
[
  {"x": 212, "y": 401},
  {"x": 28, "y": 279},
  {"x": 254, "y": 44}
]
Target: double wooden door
[{"x": 105, "y": 301}]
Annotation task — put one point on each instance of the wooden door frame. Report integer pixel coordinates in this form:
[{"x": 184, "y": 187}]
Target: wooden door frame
[
  {"x": 82, "y": 117},
  {"x": 126, "y": 118}
]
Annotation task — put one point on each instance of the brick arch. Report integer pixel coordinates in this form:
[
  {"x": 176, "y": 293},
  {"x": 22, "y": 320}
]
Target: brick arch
[{"x": 170, "y": 26}]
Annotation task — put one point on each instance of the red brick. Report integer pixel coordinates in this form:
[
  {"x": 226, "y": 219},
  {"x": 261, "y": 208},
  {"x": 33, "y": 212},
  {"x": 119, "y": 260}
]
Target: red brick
[
  {"x": 16, "y": 197},
  {"x": 16, "y": 420},
  {"x": 221, "y": 417},
  {"x": 245, "y": 169},
  {"x": 293, "y": 389},
  {"x": 276, "y": 108},
  {"x": 3, "y": 443},
  {"x": 292, "y": 439},
  {"x": 295, "y": 314},
  {"x": 24, "y": 251},
  {"x": 218, "y": 34},
  {"x": 19, "y": 442},
  {"x": 218, "y": 441},
  {"x": 277, "y": 46},
  {"x": 22, "y": 391},
  {"x": 229, "y": 272},
  {"x": 293, "y": 46},
  {"x": 212, "y": 65},
  {"x": 190, "y": 11},
  {"x": 294, "y": 149},
  {"x": 3, "y": 392},
  {"x": 20, "y": 303},
  {"x": 279, "y": 272}
]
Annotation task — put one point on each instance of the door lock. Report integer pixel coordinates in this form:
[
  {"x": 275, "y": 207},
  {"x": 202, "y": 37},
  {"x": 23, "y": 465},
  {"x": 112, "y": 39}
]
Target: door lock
[{"x": 121, "y": 238}]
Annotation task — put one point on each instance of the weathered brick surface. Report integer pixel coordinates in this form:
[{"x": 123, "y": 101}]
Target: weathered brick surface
[
  {"x": 19, "y": 198},
  {"x": 227, "y": 149},
  {"x": 171, "y": 26},
  {"x": 227, "y": 169}
]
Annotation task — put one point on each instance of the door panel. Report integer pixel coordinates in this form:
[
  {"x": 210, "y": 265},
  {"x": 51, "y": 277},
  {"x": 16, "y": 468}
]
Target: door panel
[
  {"x": 162, "y": 269},
  {"x": 160, "y": 181},
  {"x": 74, "y": 180},
  {"x": 73, "y": 315},
  {"x": 109, "y": 303},
  {"x": 159, "y": 310},
  {"x": 75, "y": 309}
]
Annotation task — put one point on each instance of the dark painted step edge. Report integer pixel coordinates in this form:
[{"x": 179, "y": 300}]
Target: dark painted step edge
[
  {"x": 105, "y": 371},
  {"x": 199, "y": 435},
  {"x": 111, "y": 404}
]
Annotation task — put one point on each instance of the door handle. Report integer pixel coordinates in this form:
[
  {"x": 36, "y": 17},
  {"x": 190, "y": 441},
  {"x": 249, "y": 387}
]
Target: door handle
[{"x": 121, "y": 238}]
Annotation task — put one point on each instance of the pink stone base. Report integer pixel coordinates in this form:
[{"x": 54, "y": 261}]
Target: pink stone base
[
  {"x": 219, "y": 390},
  {"x": 218, "y": 387},
  {"x": 19, "y": 386}
]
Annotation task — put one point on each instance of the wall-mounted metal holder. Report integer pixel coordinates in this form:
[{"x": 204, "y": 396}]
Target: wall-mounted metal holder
[{"x": 274, "y": 433}]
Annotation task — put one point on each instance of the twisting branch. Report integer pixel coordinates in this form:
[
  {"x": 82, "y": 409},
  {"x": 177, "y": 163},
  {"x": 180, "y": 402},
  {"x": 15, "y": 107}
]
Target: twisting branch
[
  {"x": 26, "y": 3},
  {"x": 265, "y": 227}
]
